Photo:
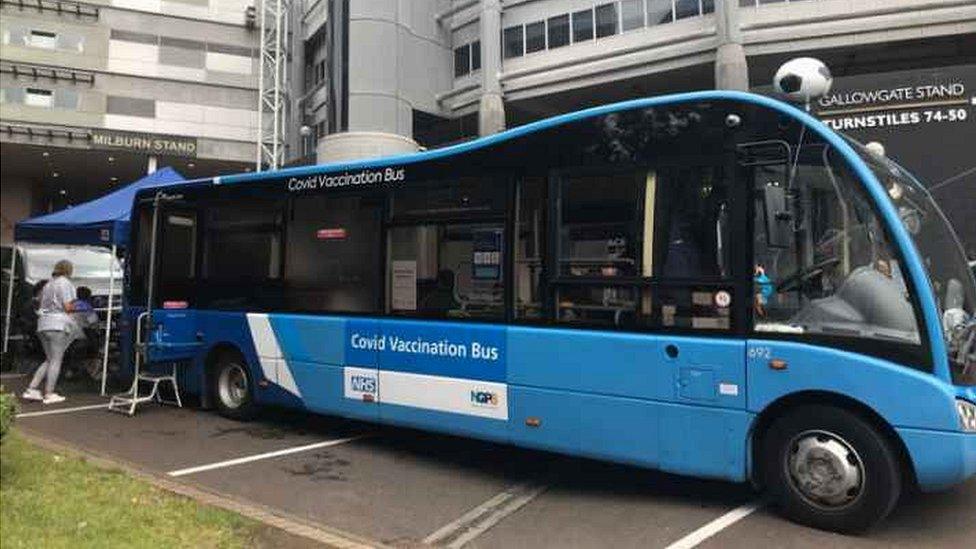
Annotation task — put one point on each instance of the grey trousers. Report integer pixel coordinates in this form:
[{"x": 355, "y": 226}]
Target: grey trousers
[{"x": 55, "y": 343}]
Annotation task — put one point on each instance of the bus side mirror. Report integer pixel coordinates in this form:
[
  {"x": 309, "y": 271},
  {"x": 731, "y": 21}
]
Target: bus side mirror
[{"x": 779, "y": 220}]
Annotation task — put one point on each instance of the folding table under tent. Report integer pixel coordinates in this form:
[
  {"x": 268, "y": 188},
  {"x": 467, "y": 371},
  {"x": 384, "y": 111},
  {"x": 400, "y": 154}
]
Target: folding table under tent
[{"x": 103, "y": 221}]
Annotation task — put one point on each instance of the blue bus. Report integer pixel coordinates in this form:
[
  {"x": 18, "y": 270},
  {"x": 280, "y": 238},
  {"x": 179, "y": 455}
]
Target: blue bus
[{"x": 712, "y": 284}]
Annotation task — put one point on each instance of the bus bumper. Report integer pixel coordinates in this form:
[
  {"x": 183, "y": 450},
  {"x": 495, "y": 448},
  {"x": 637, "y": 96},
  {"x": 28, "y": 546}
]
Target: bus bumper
[{"x": 941, "y": 459}]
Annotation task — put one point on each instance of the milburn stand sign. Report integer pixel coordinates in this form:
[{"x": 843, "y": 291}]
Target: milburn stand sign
[{"x": 169, "y": 145}]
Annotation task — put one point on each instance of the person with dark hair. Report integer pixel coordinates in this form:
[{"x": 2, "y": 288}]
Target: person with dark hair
[{"x": 441, "y": 299}]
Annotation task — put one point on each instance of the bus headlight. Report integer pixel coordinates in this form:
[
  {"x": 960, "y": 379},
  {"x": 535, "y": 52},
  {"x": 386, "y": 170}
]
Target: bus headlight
[{"x": 967, "y": 415}]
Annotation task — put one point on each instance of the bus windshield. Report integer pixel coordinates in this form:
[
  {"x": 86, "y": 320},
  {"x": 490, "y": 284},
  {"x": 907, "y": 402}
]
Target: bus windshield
[{"x": 945, "y": 261}]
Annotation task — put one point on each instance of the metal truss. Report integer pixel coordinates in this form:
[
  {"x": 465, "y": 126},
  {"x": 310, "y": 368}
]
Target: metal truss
[{"x": 273, "y": 84}]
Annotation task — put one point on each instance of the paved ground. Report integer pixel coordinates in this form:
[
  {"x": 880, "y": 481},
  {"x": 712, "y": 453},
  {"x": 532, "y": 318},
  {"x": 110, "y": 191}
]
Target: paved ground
[{"x": 407, "y": 488}]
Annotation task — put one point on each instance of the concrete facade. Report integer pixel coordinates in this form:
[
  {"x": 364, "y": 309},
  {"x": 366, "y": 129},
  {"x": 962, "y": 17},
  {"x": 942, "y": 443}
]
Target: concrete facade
[
  {"x": 451, "y": 59},
  {"x": 395, "y": 75},
  {"x": 186, "y": 69}
]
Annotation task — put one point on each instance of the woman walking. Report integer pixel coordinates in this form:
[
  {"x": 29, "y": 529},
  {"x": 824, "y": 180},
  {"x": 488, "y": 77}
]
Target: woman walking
[{"x": 55, "y": 329}]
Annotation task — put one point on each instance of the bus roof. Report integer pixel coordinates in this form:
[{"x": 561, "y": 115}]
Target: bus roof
[{"x": 501, "y": 137}]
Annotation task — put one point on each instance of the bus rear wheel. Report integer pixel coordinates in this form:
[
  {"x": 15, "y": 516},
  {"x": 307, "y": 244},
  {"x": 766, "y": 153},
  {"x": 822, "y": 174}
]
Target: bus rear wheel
[
  {"x": 233, "y": 388},
  {"x": 829, "y": 468}
]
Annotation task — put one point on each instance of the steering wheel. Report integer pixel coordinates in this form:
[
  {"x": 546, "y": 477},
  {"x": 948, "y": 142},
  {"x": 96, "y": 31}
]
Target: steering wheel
[{"x": 795, "y": 280}]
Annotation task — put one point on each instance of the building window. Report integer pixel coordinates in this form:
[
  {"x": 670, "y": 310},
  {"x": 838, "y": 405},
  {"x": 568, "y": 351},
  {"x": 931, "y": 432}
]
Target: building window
[
  {"x": 632, "y": 14},
  {"x": 467, "y": 58},
  {"x": 687, "y": 8},
  {"x": 659, "y": 12},
  {"x": 130, "y": 106},
  {"x": 582, "y": 26},
  {"x": 475, "y": 55},
  {"x": 606, "y": 20},
  {"x": 513, "y": 42},
  {"x": 708, "y": 6},
  {"x": 558, "y": 31},
  {"x": 43, "y": 39},
  {"x": 535, "y": 37},
  {"x": 39, "y": 97},
  {"x": 462, "y": 60}
]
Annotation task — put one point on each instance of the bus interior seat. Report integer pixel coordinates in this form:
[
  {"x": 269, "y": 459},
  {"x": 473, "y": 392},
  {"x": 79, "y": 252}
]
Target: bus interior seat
[{"x": 866, "y": 297}]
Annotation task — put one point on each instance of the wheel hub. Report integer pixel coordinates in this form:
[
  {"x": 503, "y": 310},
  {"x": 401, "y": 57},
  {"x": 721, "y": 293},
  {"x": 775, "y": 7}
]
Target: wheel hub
[
  {"x": 825, "y": 469},
  {"x": 232, "y": 386}
]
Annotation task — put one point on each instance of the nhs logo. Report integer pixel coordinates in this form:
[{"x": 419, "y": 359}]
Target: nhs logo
[{"x": 361, "y": 384}]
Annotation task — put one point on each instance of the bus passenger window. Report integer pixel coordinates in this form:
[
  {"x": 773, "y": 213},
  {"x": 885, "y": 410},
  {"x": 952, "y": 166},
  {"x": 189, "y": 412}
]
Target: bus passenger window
[
  {"x": 242, "y": 254},
  {"x": 447, "y": 271},
  {"x": 599, "y": 217},
  {"x": 530, "y": 237},
  {"x": 334, "y": 252}
]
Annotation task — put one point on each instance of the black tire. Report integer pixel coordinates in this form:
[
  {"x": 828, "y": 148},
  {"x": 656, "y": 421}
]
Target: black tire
[
  {"x": 815, "y": 443},
  {"x": 233, "y": 388}
]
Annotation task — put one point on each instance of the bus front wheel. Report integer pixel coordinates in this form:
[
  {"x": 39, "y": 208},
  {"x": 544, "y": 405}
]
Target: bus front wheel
[
  {"x": 233, "y": 388},
  {"x": 829, "y": 468}
]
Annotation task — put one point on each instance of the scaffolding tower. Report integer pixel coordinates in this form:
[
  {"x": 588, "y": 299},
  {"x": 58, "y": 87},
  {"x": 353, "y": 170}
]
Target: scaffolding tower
[{"x": 273, "y": 84}]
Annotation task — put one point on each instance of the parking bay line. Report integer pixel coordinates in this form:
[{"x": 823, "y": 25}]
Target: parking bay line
[
  {"x": 714, "y": 527},
  {"x": 62, "y": 410},
  {"x": 478, "y": 520},
  {"x": 258, "y": 457}
]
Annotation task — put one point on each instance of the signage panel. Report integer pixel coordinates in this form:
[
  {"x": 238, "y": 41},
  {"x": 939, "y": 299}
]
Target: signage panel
[{"x": 169, "y": 145}]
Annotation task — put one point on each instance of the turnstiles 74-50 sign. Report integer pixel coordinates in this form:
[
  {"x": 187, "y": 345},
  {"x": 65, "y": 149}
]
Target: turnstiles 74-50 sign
[{"x": 168, "y": 145}]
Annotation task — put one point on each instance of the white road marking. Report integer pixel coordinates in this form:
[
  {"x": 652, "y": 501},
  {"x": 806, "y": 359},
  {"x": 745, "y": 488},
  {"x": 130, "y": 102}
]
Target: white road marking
[
  {"x": 478, "y": 520},
  {"x": 11, "y": 376},
  {"x": 258, "y": 457},
  {"x": 62, "y": 410},
  {"x": 721, "y": 523}
]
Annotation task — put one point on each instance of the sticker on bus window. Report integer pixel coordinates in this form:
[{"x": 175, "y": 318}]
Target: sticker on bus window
[
  {"x": 405, "y": 285},
  {"x": 486, "y": 254},
  {"x": 337, "y": 233},
  {"x": 723, "y": 299}
]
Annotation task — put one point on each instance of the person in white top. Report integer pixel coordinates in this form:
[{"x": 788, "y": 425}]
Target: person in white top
[{"x": 55, "y": 329}]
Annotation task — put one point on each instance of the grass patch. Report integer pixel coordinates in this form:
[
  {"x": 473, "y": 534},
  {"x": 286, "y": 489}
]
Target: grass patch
[{"x": 52, "y": 500}]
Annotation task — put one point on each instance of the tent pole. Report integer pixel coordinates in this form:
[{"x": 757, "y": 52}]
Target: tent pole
[
  {"x": 10, "y": 296},
  {"x": 108, "y": 315}
]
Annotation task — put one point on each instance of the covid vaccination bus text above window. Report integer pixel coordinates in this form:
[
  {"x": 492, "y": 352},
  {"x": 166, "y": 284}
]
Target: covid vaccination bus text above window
[{"x": 712, "y": 284}]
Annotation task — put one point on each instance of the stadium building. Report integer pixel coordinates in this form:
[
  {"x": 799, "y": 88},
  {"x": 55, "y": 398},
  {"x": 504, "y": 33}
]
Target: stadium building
[{"x": 153, "y": 82}]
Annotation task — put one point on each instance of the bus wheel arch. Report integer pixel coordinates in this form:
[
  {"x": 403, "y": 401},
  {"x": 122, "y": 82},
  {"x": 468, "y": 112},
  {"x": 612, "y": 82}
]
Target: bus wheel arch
[{"x": 785, "y": 404}]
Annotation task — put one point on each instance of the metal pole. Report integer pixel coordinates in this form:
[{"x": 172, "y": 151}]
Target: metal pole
[
  {"x": 261, "y": 61},
  {"x": 10, "y": 296},
  {"x": 108, "y": 316}
]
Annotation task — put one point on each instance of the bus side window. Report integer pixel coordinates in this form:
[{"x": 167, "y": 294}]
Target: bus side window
[
  {"x": 599, "y": 216},
  {"x": 242, "y": 253},
  {"x": 530, "y": 237},
  {"x": 691, "y": 254},
  {"x": 334, "y": 254},
  {"x": 177, "y": 255}
]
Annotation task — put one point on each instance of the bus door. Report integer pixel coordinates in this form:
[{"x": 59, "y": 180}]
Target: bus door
[{"x": 171, "y": 331}]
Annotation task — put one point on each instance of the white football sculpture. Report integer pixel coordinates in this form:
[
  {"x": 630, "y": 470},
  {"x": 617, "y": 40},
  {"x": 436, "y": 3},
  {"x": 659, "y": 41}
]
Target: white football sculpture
[{"x": 803, "y": 79}]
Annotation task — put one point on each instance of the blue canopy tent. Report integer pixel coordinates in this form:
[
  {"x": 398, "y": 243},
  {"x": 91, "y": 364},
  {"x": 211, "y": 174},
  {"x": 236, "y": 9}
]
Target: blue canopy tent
[{"x": 103, "y": 221}]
